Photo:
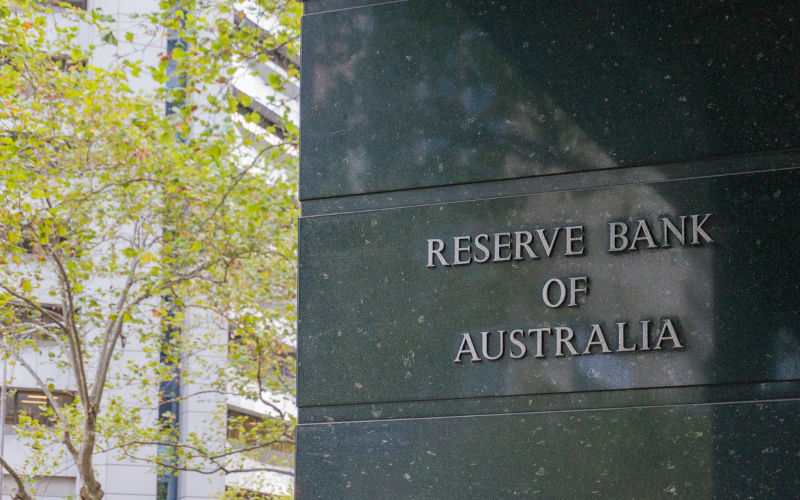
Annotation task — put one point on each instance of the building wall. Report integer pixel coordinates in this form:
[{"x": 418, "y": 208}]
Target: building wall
[{"x": 127, "y": 478}]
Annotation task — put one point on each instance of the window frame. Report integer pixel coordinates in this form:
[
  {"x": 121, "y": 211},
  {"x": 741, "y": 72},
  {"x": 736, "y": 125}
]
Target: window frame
[
  {"x": 13, "y": 403},
  {"x": 78, "y": 4}
]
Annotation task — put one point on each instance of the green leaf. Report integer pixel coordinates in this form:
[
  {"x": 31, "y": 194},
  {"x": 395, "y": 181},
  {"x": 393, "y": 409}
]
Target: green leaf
[
  {"x": 109, "y": 38},
  {"x": 245, "y": 99},
  {"x": 275, "y": 81},
  {"x": 208, "y": 218}
]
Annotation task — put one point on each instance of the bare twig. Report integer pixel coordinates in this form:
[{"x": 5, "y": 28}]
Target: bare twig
[
  {"x": 66, "y": 438},
  {"x": 22, "y": 493}
]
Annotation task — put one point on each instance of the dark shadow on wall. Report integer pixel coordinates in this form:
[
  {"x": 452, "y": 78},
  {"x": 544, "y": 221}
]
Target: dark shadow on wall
[{"x": 425, "y": 93}]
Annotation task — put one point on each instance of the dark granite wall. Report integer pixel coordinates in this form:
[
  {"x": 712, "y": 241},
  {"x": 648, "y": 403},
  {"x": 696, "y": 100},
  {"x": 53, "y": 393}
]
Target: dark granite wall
[{"x": 425, "y": 119}]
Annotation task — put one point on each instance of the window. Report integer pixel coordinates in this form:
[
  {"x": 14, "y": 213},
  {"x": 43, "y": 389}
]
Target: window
[
  {"x": 23, "y": 314},
  {"x": 78, "y": 4},
  {"x": 44, "y": 486},
  {"x": 279, "y": 55},
  {"x": 287, "y": 359},
  {"x": 33, "y": 403},
  {"x": 243, "y": 494},
  {"x": 266, "y": 117},
  {"x": 66, "y": 63},
  {"x": 240, "y": 424},
  {"x": 283, "y": 355},
  {"x": 282, "y": 447}
]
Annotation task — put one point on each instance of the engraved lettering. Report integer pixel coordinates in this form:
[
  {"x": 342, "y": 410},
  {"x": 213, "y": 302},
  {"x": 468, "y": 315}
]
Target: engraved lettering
[
  {"x": 569, "y": 341},
  {"x": 458, "y": 250},
  {"x": 596, "y": 338},
  {"x": 574, "y": 289},
  {"x": 485, "y": 345},
  {"x": 621, "y": 338},
  {"x": 435, "y": 248},
  {"x": 668, "y": 333},
  {"x": 697, "y": 230},
  {"x": 483, "y": 248},
  {"x": 466, "y": 348},
  {"x": 642, "y": 233},
  {"x": 617, "y": 241},
  {"x": 562, "y": 340},
  {"x": 498, "y": 247},
  {"x": 520, "y": 243},
  {"x": 513, "y": 339},
  {"x": 669, "y": 226},
  {"x": 574, "y": 238},
  {"x": 547, "y": 245},
  {"x": 645, "y": 335},
  {"x": 562, "y": 293},
  {"x": 539, "y": 340}
]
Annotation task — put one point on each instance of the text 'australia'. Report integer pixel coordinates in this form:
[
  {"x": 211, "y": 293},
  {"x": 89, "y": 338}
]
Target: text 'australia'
[{"x": 559, "y": 341}]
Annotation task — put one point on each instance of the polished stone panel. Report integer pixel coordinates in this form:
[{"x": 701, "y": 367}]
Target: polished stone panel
[
  {"x": 377, "y": 325},
  {"x": 417, "y": 93},
  {"x": 319, "y": 6},
  {"x": 737, "y": 450},
  {"x": 434, "y": 119},
  {"x": 552, "y": 183},
  {"x": 553, "y": 402}
]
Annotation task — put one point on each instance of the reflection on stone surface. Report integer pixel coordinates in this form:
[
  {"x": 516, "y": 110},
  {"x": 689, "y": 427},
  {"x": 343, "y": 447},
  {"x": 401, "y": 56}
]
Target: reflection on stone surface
[
  {"x": 435, "y": 92},
  {"x": 743, "y": 450},
  {"x": 368, "y": 293},
  {"x": 432, "y": 93}
]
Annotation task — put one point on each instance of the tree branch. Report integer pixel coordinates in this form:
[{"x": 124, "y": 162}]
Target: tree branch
[
  {"x": 35, "y": 305},
  {"x": 67, "y": 439},
  {"x": 35, "y": 328},
  {"x": 218, "y": 467},
  {"x": 71, "y": 331},
  {"x": 112, "y": 333},
  {"x": 22, "y": 493}
]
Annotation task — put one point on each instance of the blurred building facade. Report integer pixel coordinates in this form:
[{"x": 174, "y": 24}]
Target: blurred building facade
[{"x": 124, "y": 479}]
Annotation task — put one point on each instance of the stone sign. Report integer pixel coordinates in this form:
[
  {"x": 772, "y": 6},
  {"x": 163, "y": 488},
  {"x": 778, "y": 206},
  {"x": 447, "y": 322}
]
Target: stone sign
[
  {"x": 549, "y": 250},
  {"x": 606, "y": 288}
]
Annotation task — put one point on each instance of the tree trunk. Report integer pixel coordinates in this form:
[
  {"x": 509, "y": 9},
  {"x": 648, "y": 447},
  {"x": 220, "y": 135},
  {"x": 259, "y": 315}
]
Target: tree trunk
[
  {"x": 93, "y": 493},
  {"x": 91, "y": 489},
  {"x": 21, "y": 494}
]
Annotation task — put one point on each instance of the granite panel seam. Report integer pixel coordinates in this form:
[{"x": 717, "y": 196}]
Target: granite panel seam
[
  {"x": 469, "y": 198},
  {"x": 473, "y": 188},
  {"x": 631, "y": 166},
  {"x": 584, "y": 400},
  {"x": 566, "y": 410},
  {"x": 315, "y": 13},
  {"x": 639, "y": 390}
]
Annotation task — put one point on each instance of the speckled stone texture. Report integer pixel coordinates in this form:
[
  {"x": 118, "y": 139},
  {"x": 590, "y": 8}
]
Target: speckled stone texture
[
  {"x": 433, "y": 119},
  {"x": 414, "y": 93}
]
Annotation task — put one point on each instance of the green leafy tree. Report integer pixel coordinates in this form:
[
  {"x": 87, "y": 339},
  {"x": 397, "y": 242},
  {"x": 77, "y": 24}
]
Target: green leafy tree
[{"x": 120, "y": 222}]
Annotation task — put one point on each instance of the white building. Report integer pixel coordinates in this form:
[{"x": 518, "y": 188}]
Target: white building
[{"x": 126, "y": 478}]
